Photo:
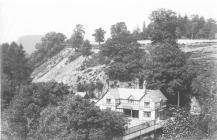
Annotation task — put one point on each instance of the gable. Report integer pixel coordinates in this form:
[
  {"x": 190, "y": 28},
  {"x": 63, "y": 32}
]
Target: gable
[{"x": 154, "y": 96}]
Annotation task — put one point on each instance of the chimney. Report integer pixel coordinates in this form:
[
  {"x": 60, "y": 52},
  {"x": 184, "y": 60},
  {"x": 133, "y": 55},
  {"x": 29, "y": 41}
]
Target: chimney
[
  {"x": 136, "y": 83},
  {"x": 144, "y": 85}
]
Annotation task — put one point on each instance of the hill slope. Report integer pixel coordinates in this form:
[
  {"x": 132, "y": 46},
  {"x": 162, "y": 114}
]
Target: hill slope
[{"x": 59, "y": 69}]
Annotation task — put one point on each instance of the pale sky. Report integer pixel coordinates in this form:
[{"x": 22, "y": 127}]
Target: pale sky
[{"x": 24, "y": 17}]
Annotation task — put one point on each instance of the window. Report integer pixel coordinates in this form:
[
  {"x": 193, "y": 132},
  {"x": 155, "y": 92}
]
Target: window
[
  {"x": 147, "y": 104},
  {"x": 147, "y": 114},
  {"x": 108, "y": 101},
  {"x": 127, "y": 112},
  {"x": 135, "y": 113}
]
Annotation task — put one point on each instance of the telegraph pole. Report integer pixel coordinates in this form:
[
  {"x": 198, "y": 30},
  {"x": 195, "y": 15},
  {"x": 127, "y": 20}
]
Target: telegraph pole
[{"x": 178, "y": 98}]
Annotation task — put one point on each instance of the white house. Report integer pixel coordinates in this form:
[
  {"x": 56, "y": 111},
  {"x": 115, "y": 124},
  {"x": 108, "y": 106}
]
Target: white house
[{"x": 141, "y": 104}]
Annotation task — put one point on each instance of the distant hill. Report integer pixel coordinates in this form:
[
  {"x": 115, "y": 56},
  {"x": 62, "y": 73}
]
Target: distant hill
[{"x": 29, "y": 41}]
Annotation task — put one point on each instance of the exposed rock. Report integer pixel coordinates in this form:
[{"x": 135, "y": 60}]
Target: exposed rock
[{"x": 59, "y": 69}]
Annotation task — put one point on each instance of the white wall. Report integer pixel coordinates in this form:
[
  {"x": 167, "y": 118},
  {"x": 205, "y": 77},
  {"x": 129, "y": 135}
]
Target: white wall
[{"x": 104, "y": 105}]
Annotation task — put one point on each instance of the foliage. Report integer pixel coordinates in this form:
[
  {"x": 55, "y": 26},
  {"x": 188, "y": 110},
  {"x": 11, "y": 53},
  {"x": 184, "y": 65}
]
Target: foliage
[
  {"x": 196, "y": 27},
  {"x": 99, "y": 35},
  {"x": 51, "y": 44},
  {"x": 77, "y": 118},
  {"x": 23, "y": 114},
  {"x": 127, "y": 59},
  {"x": 167, "y": 26},
  {"x": 86, "y": 48},
  {"x": 118, "y": 29},
  {"x": 163, "y": 26},
  {"x": 205, "y": 89},
  {"x": 15, "y": 71},
  {"x": 182, "y": 125},
  {"x": 89, "y": 88},
  {"x": 168, "y": 72},
  {"x": 209, "y": 29},
  {"x": 77, "y": 37}
]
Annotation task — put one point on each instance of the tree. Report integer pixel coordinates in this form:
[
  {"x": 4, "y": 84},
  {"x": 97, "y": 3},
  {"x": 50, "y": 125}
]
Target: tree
[
  {"x": 15, "y": 71},
  {"x": 197, "y": 24},
  {"x": 163, "y": 26},
  {"x": 209, "y": 29},
  {"x": 126, "y": 58},
  {"x": 77, "y": 118},
  {"x": 24, "y": 113},
  {"x": 86, "y": 48},
  {"x": 168, "y": 72},
  {"x": 118, "y": 28},
  {"x": 51, "y": 44},
  {"x": 77, "y": 37},
  {"x": 99, "y": 35}
]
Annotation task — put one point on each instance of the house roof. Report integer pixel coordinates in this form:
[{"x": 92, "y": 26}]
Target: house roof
[
  {"x": 156, "y": 95},
  {"x": 136, "y": 94}
]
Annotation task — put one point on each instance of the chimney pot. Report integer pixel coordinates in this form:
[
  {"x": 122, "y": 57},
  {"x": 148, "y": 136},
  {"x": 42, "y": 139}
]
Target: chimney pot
[{"x": 144, "y": 85}]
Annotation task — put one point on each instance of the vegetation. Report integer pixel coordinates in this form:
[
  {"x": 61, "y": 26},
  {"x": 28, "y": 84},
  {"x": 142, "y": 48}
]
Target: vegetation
[
  {"x": 183, "y": 125},
  {"x": 168, "y": 72},
  {"x": 86, "y": 48},
  {"x": 51, "y": 44},
  {"x": 193, "y": 27},
  {"x": 99, "y": 35},
  {"x": 123, "y": 52},
  {"x": 90, "y": 88},
  {"x": 77, "y": 118},
  {"x": 24, "y": 113},
  {"x": 163, "y": 64},
  {"x": 50, "y": 111},
  {"x": 163, "y": 26},
  {"x": 77, "y": 37},
  {"x": 15, "y": 71}
]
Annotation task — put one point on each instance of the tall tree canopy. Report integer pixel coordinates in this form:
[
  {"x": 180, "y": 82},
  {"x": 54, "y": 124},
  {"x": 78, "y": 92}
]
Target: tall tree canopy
[
  {"x": 163, "y": 26},
  {"x": 15, "y": 70},
  {"x": 123, "y": 51},
  {"x": 209, "y": 29},
  {"x": 118, "y": 28},
  {"x": 99, "y": 35},
  {"x": 24, "y": 113},
  {"x": 168, "y": 72},
  {"x": 77, "y": 37}
]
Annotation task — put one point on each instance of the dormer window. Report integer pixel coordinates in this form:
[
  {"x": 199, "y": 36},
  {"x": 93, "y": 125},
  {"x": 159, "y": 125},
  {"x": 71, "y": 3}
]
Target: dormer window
[
  {"x": 130, "y": 99},
  {"x": 108, "y": 101}
]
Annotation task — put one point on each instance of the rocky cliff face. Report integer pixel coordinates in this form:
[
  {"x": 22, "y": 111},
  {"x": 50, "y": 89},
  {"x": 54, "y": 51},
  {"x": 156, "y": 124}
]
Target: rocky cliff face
[{"x": 60, "y": 69}]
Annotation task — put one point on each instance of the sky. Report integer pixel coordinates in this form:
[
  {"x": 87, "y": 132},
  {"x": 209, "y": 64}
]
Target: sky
[{"x": 27, "y": 17}]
